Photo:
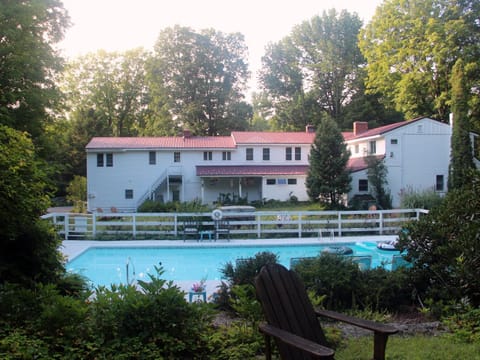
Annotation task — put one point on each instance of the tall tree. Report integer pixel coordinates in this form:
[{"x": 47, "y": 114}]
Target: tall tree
[
  {"x": 461, "y": 162},
  {"x": 315, "y": 69},
  {"x": 28, "y": 247},
  {"x": 328, "y": 178},
  {"x": 411, "y": 47},
  {"x": 199, "y": 77},
  {"x": 112, "y": 85},
  {"x": 28, "y": 62}
]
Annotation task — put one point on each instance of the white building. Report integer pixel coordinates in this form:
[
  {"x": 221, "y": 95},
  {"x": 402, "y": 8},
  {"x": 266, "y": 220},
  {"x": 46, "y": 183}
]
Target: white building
[{"x": 123, "y": 172}]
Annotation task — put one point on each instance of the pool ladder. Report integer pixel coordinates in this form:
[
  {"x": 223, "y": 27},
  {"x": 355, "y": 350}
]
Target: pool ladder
[
  {"x": 320, "y": 234},
  {"x": 127, "y": 265}
]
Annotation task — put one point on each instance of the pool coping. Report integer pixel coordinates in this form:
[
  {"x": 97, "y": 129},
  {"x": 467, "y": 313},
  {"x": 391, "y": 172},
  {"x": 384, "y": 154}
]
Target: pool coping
[{"x": 73, "y": 248}]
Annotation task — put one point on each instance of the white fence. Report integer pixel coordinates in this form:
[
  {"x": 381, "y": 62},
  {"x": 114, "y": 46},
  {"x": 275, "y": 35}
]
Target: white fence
[{"x": 260, "y": 224}]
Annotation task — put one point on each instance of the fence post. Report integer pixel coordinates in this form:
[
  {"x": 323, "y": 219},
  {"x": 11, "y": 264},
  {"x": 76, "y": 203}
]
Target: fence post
[
  {"x": 381, "y": 222},
  {"x": 299, "y": 220},
  {"x": 94, "y": 225},
  {"x": 67, "y": 225},
  {"x": 134, "y": 225},
  {"x": 339, "y": 219}
]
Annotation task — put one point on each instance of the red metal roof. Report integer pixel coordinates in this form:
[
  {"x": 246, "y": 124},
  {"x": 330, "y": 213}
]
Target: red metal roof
[
  {"x": 380, "y": 130},
  {"x": 252, "y": 170},
  {"x": 359, "y": 163},
  {"x": 170, "y": 142},
  {"x": 260, "y": 137}
]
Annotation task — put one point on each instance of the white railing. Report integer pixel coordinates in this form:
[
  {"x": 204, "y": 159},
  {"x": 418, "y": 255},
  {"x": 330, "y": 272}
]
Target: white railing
[{"x": 260, "y": 224}]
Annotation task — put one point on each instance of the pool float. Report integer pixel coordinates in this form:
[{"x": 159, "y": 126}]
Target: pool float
[
  {"x": 339, "y": 250},
  {"x": 387, "y": 245}
]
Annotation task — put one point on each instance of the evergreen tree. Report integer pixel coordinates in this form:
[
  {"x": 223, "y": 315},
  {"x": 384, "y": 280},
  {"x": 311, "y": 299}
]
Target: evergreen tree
[
  {"x": 328, "y": 178},
  {"x": 377, "y": 177},
  {"x": 461, "y": 155}
]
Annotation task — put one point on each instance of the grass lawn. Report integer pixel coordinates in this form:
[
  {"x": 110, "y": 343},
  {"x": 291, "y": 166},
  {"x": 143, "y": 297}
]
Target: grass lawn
[{"x": 411, "y": 348}]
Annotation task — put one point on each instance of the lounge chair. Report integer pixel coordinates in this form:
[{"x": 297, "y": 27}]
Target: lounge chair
[
  {"x": 191, "y": 228},
  {"x": 292, "y": 321},
  {"x": 222, "y": 227}
]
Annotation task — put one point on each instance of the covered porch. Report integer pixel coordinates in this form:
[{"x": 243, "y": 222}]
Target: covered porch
[{"x": 233, "y": 184}]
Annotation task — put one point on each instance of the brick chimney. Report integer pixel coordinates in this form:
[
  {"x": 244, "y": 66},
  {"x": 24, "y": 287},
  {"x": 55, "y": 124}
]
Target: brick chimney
[
  {"x": 360, "y": 127},
  {"x": 310, "y": 129},
  {"x": 187, "y": 134}
]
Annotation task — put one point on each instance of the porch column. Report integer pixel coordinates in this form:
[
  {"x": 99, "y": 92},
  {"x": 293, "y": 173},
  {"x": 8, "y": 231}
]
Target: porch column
[{"x": 239, "y": 187}]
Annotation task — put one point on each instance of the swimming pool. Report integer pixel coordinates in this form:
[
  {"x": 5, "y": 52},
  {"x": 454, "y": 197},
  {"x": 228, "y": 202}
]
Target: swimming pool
[{"x": 108, "y": 265}]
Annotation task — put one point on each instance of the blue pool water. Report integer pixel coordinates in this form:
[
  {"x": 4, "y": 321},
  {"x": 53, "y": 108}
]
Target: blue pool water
[{"x": 107, "y": 265}]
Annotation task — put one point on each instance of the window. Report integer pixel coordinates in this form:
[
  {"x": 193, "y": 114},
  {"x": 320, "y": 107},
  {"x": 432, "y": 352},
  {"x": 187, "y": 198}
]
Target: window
[
  {"x": 266, "y": 154},
  {"x": 109, "y": 159},
  {"x": 362, "y": 185},
  {"x": 128, "y": 194},
  {"x": 176, "y": 156},
  {"x": 282, "y": 181},
  {"x": 249, "y": 154},
  {"x": 439, "y": 183},
  {"x": 298, "y": 153},
  {"x": 373, "y": 147},
  {"x": 226, "y": 155},
  {"x": 207, "y": 155},
  {"x": 152, "y": 157},
  {"x": 292, "y": 181},
  {"x": 357, "y": 148},
  {"x": 271, "y": 182},
  {"x": 394, "y": 141},
  {"x": 288, "y": 153},
  {"x": 100, "y": 160}
]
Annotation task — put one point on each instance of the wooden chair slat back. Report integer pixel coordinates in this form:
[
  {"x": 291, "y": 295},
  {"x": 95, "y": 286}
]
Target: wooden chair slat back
[{"x": 286, "y": 305}]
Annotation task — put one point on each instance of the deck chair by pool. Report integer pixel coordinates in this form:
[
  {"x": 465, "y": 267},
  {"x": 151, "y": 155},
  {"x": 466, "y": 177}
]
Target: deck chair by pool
[
  {"x": 222, "y": 227},
  {"x": 292, "y": 321},
  {"x": 191, "y": 228}
]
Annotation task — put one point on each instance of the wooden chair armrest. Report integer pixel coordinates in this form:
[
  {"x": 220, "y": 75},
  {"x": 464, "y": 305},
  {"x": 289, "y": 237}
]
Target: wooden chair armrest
[
  {"x": 365, "y": 324},
  {"x": 303, "y": 344}
]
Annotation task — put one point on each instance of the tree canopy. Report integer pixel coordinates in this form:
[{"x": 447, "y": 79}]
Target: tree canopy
[
  {"x": 28, "y": 62},
  {"x": 199, "y": 78},
  {"x": 314, "y": 70},
  {"x": 411, "y": 47}
]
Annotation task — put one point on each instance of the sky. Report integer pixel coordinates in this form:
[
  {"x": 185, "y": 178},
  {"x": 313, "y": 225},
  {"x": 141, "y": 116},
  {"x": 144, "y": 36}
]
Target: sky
[{"x": 119, "y": 25}]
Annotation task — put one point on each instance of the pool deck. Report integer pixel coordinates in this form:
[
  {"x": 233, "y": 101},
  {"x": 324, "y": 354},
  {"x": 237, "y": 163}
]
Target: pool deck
[{"x": 73, "y": 248}]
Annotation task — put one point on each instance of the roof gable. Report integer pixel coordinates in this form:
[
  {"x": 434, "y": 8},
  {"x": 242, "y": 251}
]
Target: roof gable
[{"x": 169, "y": 142}]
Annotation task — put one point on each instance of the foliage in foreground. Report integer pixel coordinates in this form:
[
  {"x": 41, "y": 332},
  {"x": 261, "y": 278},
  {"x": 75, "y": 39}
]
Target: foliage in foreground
[
  {"x": 151, "y": 322},
  {"x": 444, "y": 247}
]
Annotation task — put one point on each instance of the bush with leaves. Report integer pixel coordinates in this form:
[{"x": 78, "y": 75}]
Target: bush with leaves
[
  {"x": 344, "y": 287},
  {"x": 444, "y": 247},
  {"x": 332, "y": 275},
  {"x": 242, "y": 273},
  {"x": 426, "y": 199}
]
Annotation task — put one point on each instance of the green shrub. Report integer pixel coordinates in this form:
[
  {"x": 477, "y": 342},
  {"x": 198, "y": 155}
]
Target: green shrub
[
  {"x": 381, "y": 290},
  {"x": 425, "y": 199},
  {"x": 238, "y": 341},
  {"x": 242, "y": 273},
  {"x": 162, "y": 207},
  {"x": 464, "y": 324},
  {"x": 444, "y": 250},
  {"x": 156, "y": 313},
  {"x": 332, "y": 275},
  {"x": 245, "y": 270}
]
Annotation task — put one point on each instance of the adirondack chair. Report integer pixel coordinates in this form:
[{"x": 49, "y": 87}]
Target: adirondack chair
[{"x": 292, "y": 321}]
